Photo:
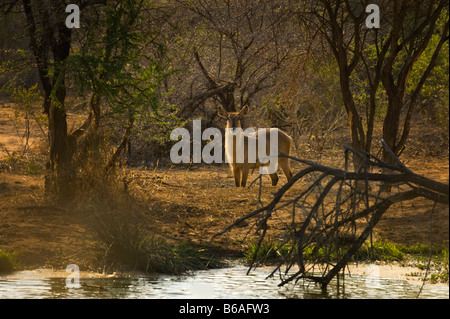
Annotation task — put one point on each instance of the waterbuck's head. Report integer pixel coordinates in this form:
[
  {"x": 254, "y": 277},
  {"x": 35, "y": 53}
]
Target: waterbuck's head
[{"x": 233, "y": 118}]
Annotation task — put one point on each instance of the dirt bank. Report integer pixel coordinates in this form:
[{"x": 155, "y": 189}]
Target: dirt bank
[{"x": 183, "y": 203}]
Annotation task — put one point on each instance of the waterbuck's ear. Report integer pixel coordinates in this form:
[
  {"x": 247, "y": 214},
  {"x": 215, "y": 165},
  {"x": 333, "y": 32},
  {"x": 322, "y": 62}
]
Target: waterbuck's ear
[
  {"x": 243, "y": 111},
  {"x": 221, "y": 112}
]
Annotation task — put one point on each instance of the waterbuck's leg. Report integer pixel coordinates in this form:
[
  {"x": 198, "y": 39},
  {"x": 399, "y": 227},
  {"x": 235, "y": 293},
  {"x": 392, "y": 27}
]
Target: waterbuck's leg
[
  {"x": 245, "y": 170},
  {"x": 283, "y": 162},
  {"x": 237, "y": 176},
  {"x": 274, "y": 178}
]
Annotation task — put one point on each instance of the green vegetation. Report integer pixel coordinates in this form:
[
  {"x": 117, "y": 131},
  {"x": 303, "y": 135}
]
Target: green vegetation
[
  {"x": 154, "y": 254},
  {"x": 128, "y": 245},
  {"x": 273, "y": 252},
  {"x": 269, "y": 252},
  {"x": 380, "y": 250},
  {"x": 434, "y": 97},
  {"x": 441, "y": 265},
  {"x": 7, "y": 262}
]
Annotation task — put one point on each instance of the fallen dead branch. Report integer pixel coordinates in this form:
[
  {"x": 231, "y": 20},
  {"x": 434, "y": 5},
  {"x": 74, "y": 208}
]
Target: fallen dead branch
[{"x": 337, "y": 211}]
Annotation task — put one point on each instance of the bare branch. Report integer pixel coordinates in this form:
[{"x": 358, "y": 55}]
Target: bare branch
[{"x": 328, "y": 235}]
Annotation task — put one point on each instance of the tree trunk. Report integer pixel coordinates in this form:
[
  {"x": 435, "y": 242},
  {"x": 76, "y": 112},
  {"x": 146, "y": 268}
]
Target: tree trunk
[
  {"x": 390, "y": 128},
  {"x": 390, "y": 131},
  {"x": 356, "y": 130},
  {"x": 60, "y": 156},
  {"x": 61, "y": 151}
]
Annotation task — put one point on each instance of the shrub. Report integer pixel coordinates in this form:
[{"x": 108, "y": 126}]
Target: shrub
[
  {"x": 129, "y": 247},
  {"x": 380, "y": 250},
  {"x": 6, "y": 261}
]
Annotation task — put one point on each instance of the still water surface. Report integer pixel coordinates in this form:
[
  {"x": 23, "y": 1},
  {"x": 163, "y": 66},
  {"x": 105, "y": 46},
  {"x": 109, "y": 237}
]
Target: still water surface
[{"x": 218, "y": 283}]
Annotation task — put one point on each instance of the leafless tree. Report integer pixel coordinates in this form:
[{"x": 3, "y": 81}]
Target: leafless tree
[{"x": 241, "y": 46}]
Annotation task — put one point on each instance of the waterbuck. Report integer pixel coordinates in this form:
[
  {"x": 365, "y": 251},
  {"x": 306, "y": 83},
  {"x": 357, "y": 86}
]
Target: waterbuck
[{"x": 250, "y": 149}]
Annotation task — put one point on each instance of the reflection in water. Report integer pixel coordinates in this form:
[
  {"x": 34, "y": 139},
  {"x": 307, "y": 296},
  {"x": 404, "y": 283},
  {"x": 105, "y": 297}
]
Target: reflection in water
[{"x": 218, "y": 284}]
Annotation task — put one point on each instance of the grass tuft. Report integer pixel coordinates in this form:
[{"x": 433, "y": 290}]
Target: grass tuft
[
  {"x": 128, "y": 246},
  {"x": 7, "y": 261},
  {"x": 270, "y": 252}
]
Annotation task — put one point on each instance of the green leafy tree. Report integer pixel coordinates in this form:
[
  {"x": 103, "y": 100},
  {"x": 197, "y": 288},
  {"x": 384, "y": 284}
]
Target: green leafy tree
[
  {"x": 116, "y": 75},
  {"x": 379, "y": 61},
  {"x": 107, "y": 62},
  {"x": 434, "y": 96}
]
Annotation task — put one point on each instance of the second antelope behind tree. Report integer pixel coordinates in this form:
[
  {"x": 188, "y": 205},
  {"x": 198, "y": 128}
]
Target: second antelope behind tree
[{"x": 250, "y": 149}]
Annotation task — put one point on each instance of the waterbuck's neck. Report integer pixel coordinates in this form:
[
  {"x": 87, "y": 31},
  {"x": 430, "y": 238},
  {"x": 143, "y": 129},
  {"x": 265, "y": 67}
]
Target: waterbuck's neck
[{"x": 234, "y": 122}]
